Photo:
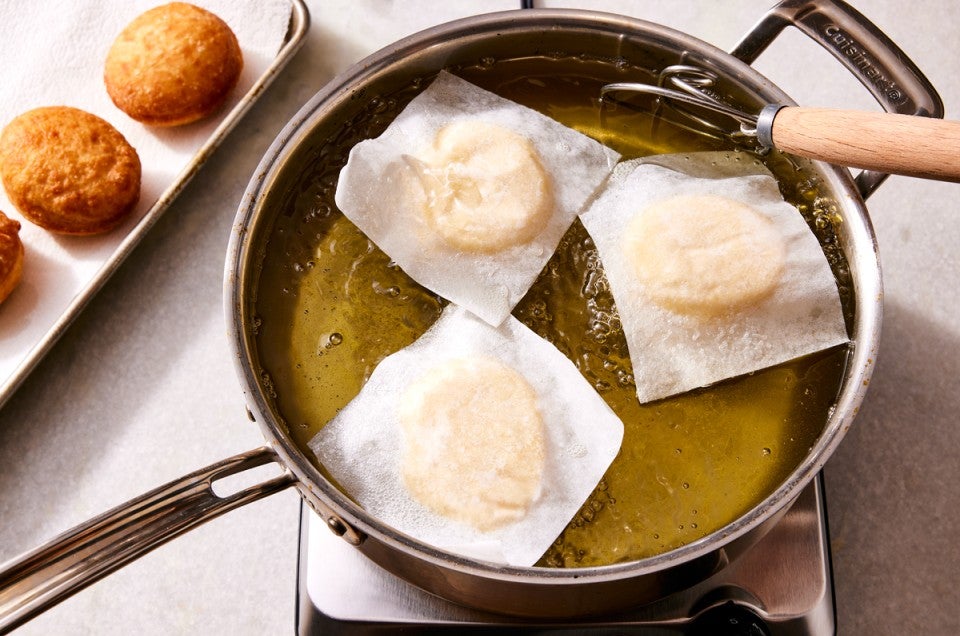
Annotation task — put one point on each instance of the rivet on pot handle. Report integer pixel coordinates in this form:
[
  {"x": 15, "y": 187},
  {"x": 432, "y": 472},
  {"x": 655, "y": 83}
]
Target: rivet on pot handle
[
  {"x": 42, "y": 578},
  {"x": 860, "y": 46}
]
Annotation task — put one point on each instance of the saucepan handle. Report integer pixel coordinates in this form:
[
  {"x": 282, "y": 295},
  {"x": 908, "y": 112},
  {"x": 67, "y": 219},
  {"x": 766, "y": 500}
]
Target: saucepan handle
[
  {"x": 862, "y": 48},
  {"x": 42, "y": 578}
]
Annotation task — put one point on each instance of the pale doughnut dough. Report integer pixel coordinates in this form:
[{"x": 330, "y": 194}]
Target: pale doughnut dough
[
  {"x": 782, "y": 300},
  {"x": 541, "y": 483},
  {"x": 470, "y": 258},
  {"x": 473, "y": 442},
  {"x": 704, "y": 254},
  {"x": 486, "y": 188}
]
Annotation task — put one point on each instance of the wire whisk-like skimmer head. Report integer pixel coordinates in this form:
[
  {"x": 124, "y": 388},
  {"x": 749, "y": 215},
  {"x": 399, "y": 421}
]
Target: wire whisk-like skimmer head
[
  {"x": 681, "y": 85},
  {"x": 879, "y": 142}
]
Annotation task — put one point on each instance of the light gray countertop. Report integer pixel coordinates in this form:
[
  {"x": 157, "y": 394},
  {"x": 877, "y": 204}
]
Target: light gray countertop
[{"x": 141, "y": 389}]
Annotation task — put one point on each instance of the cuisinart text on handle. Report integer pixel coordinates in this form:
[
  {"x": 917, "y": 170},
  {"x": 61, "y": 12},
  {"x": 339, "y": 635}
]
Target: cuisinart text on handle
[{"x": 861, "y": 60}]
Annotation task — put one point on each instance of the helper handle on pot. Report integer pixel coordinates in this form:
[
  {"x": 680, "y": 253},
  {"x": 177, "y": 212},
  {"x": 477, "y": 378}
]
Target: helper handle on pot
[
  {"x": 883, "y": 142},
  {"x": 876, "y": 61},
  {"x": 42, "y": 578}
]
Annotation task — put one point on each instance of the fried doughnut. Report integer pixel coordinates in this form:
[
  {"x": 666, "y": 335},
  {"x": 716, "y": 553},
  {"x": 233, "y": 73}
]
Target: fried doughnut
[
  {"x": 11, "y": 255},
  {"x": 173, "y": 65},
  {"x": 69, "y": 171}
]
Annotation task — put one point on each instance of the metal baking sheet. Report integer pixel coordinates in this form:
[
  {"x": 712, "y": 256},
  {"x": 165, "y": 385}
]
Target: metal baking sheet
[{"x": 36, "y": 348}]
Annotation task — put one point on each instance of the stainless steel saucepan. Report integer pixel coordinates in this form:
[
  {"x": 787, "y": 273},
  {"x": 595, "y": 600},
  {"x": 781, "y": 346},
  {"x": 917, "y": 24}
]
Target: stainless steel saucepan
[{"x": 77, "y": 558}]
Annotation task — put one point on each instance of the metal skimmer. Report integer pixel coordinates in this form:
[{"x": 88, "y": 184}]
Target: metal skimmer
[
  {"x": 682, "y": 84},
  {"x": 884, "y": 142}
]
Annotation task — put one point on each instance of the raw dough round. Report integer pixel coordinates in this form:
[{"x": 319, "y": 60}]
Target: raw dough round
[
  {"x": 704, "y": 255},
  {"x": 473, "y": 442},
  {"x": 486, "y": 189}
]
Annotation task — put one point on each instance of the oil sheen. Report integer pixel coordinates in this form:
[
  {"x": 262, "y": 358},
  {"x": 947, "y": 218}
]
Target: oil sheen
[{"x": 330, "y": 305}]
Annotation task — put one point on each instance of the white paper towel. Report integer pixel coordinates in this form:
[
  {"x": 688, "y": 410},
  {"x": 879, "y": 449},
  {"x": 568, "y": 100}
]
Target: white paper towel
[{"x": 53, "y": 54}]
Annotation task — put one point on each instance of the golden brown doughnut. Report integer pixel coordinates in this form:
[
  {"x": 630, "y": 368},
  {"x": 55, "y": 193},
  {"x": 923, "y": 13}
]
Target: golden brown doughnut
[
  {"x": 173, "y": 65},
  {"x": 11, "y": 255},
  {"x": 69, "y": 171}
]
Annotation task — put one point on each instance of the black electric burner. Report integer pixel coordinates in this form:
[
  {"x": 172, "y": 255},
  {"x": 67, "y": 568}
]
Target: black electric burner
[{"x": 783, "y": 585}]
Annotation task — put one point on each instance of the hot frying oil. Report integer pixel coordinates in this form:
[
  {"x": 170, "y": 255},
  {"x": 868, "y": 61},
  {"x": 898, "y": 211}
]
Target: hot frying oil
[{"x": 331, "y": 305}]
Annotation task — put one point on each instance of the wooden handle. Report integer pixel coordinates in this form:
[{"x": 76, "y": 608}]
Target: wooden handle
[{"x": 900, "y": 144}]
